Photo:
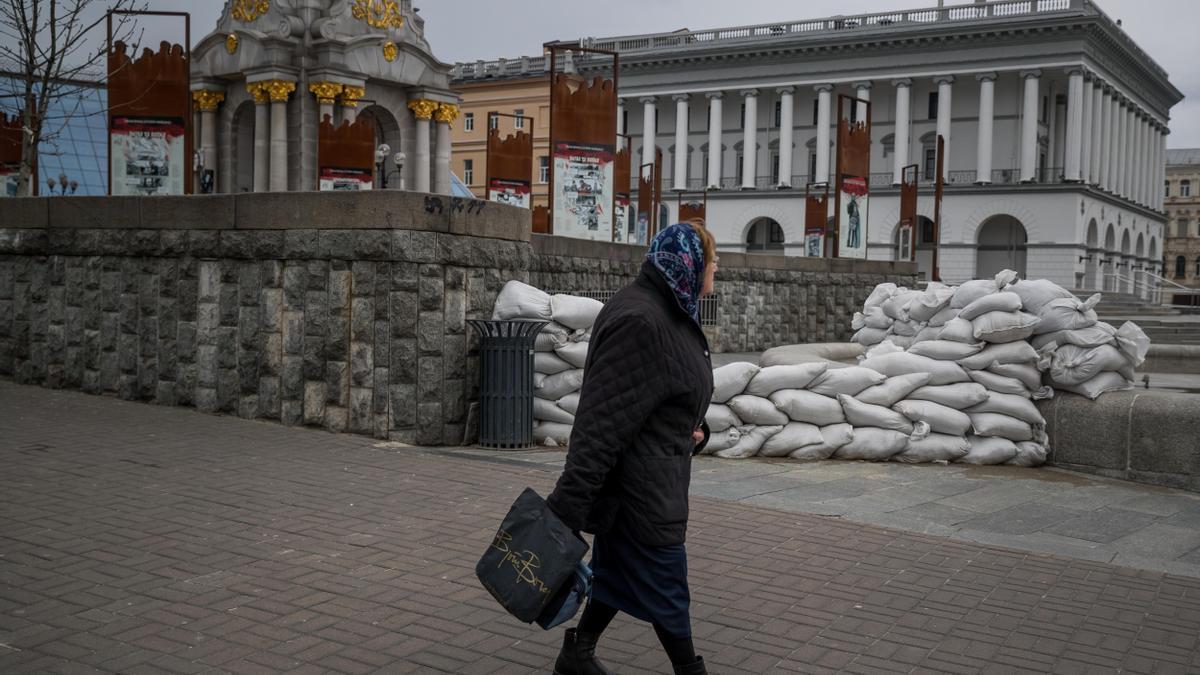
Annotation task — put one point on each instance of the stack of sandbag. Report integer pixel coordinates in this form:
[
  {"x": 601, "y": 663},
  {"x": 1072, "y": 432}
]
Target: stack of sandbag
[{"x": 560, "y": 351}]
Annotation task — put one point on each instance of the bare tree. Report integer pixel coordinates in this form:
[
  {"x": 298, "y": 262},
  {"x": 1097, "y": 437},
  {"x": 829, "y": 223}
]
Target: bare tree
[{"x": 46, "y": 46}]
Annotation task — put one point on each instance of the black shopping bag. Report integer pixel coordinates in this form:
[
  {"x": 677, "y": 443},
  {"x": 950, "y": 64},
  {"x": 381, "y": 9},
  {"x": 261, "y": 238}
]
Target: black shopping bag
[{"x": 533, "y": 556}]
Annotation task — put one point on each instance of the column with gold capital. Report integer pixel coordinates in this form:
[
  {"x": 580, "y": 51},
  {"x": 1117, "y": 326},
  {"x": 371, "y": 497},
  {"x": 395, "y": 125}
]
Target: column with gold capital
[
  {"x": 444, "y": 116},
  {"x": 325, "y": 92},
  {"x": 262, "y": 135},
  {"x": 422, "y": 110},
  {"x": 349, "y": 98},
  {"x": 207, "y": 102},
  {"x": 279, "y": 91}
]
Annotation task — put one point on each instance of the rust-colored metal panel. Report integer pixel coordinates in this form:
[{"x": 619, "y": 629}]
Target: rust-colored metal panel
[
  {"x": 908, "y": 213},
  {"x": 816, "y": 219},
  {"x": 935, "y": 273},
  {"x": 852, "y": 177},
  {"x": 693, "y": 208},
  {"x": 156, "y": 86},
  {"x": 657, "y": 190},
  {"x": 10, "y": 150},
  {"x": 541, "y": 220},
  {"x": 623, "y": 170},
  {"x": 509, "y": 168},
  {"x": 346, "y": 154}
]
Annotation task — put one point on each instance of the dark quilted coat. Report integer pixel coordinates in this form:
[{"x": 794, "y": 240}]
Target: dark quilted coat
[{"x": 647, "y": 384}]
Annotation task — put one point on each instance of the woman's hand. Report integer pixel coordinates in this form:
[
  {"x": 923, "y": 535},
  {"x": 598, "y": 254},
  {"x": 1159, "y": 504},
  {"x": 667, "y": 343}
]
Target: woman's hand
[{"x": 697, "y": 437}]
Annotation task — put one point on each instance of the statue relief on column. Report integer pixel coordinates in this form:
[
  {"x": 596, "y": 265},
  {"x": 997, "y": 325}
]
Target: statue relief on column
[
  {"x": 325, "y": 91},
  {"x": 208, "y": 100},
  {"x": 446, "y": 112},
  {"x": 259, "y": 91},
  {"x": 422, "y": 108},
  {"x": 279, "y": 90}
]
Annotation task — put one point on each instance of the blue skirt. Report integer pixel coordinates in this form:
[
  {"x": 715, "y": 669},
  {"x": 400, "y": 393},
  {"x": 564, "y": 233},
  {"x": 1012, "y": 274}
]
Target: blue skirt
[{"x": 645, "y": 582}]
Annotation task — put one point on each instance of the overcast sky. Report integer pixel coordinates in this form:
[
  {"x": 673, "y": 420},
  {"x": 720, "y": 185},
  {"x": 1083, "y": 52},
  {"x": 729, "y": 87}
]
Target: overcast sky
[{"x": 466, "y": 30}]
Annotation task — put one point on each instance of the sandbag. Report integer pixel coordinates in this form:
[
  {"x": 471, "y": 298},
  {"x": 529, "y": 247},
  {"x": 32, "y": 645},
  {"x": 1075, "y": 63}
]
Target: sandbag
[
  {"x": 518, "y": 300},
  {"x": 549, "y": 363},
  {"x": 957, "y": 396},
  {"x": 581, "y": 335},
  {"x": 757, "y": 410},
  {"x": 792, "y": 437},
  {"x": 548, "y": 411},
  {"x": 552, "y": 434},
  {"x": 902, "y": 341},
  {"x": 1002, "y": 426},
  {"x": 873, "y": 317},
  {"x": 943, "y": 317},
  {"x": 721, "y": 440},
  {"x": 940, "y": 418},
  {"x": 574, "y": 311},
  {"x": 927, "y": 334},
  {"x": 833, "y": 436},
  {"x": 958, "y": 330},
  {"x": 946, "y": 350},
  {"x": 808, "y": 406},
  {"x": 574, "y": 353},
  {"x": 849, "y": 381},
  {"x": 896, "y": 306},
  {"x": 885, "y": 347},
  {"x": 1132, "y": 341},
  {"x": 989, "y": 451},
  {"x": 993, "y": 382},
  {"x": 1012, "y": 405},
  {"x": 1075, "y": 365},
  {"x": 1029, "y": 454},
  {"x": 869, "y": 336},
  {"x": 1100, "y": 384},
  {"x": 1004, "y": 326},
  {"x": 721, "y": 417},
  {"x": 940, "y": 372},
  {"x": 879, "y": 294},
  {"x": 1009, "y": 352},
  {"x": 993, "y": 302},
  {"x": 1092, "y": 336},
  {"x": 871, "y": 444},
  {"x": 750, "y": 443},
  {"x": 1025, "y": 373},
  {"x": 1035, "y": 294},
  {"x": 906, "y": 328},
  {"x": 934, "y": 448},
  {"x": 970, "y": 291},
  {"x": 773, "y": 378},
  {"x": 570, "y": 403},
  {"x": 731, "y": 380},
  {"x": 866, "y": 415},
  {"x": 556, "y": 386},
  {"x": 1068, "y": 314},
  {"x": 935, "y": 298},
  {"x": 552, "y": 335},
  {"x": 893, "y": 389}
]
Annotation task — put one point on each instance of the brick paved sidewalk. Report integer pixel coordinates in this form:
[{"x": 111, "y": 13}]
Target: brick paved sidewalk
[{"x": 136, "y": 538}]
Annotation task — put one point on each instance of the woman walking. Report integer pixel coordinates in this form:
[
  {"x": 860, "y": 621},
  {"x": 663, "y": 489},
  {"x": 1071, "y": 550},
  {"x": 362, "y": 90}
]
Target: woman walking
[{"x": 646, "y": 389}]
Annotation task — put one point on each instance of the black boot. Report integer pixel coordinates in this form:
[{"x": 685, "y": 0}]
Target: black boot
[
  {"x": 694, "y": 668},
  {"x": 578, "y": 655}
]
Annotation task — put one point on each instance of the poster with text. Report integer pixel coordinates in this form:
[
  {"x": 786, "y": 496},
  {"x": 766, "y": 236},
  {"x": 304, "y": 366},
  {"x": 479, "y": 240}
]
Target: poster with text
[
  {"x": 10, "y": 175},
  {"x": 583, "y": 191},
  {"x": 621, "y": 229},
  {"x": 852, "y": 234},
  {"x": 814, "y": 243},
  {"x": 147, "y": 156},
  {"x": 334, "y": 179},
  {"x": 511, "y": 192}
]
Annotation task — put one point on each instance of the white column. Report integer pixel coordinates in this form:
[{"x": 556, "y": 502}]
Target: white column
[
  {"x": 262, "y": 143},
  {"x": 1097, "y": 139},
  {"x": 863, "y": 91},
  {"x": 1131, "y": 154},
  {"x": 823, "y": 98},
  {"x": 1074, "y": 143},
  {"x": 621, "y": 116},
  {"x": 1029, "y": 126},
  {"x": 750, "y": 140},
  {"x": 441, "y": 159},
  {"x": 1112, "y": 134},
  {"x": 279, "y": 91},
  {"x": 1161, "y": 163},
  {"x": 1123, "y": 150},
  {"x": 649, "y": 132},
  {"x": 987, "y": 110},
  {"x": 1085, "y": 147},
  {"x": 903, "y": 88},
  {"x": 681, "y": 140},
  {"x": 1139, "y": 157},
  {"x": 714, "y": 138},
  {"x": 1147, "y": 161},
  {"x": 945, "y": 85},
  {"x": 208, "y": 141},
  {"x": 422, "y": 110},
  {"x": 786, "y": 120}
]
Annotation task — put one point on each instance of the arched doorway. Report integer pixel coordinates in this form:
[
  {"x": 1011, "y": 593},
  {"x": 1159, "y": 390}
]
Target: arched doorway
[
  {"x": 1110, "y": 258},
  {"x": 1000, "y": 245},
  {"x": 387, "y": 130},
  {"x": 764, "y": 235},
  {"x": 1126, "y": 285},
  {"x": 925, "y": 242},
  {"x": 243, "y": 148},
  {"x": 1091, "y": 272}
]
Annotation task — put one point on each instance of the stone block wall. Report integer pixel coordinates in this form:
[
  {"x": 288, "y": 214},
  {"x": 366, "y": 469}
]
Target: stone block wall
[{"x": 341, "y": 311}]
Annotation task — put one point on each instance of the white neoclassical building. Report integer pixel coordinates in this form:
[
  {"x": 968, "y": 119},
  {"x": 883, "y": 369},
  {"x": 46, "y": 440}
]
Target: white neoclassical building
[
  {"x": 273, "y": 69},
  {"x": 1056, "y": 123}
]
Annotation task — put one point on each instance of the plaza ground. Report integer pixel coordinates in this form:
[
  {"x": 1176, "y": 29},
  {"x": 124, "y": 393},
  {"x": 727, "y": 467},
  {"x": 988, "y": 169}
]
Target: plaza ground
[{"x": 137, "y": 538}]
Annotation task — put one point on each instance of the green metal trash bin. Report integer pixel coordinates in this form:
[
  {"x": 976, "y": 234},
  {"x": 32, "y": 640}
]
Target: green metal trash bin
[{"x": 506, "y": 381}]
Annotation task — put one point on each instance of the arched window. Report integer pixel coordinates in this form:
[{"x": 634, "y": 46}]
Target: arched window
[
  {"x": 1180, "y": 267},
  {"x": 1185, "y": 188}
]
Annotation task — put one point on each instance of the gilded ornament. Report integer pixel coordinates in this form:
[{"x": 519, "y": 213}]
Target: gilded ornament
[
  {"x": 446, "y": 112},
  {"x": 207, "y": 100},
  {"x": 231, "y": 43},
  {"x": 249, "y": 10},
  {"x": 422, "y": 108},
  {"x": 279, "y": 90},
  {"x": 325, "y": 91},
  {"x": 379, "y": 13},
  {"x": 351, "y": 94},
  {"x": 258, "y": 90},
  {"x": 390, "y": 51}
]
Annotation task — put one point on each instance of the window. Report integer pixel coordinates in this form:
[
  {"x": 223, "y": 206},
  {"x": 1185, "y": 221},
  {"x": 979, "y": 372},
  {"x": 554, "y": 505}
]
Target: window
[
  {"x": 889, "y": 145},
  {"x": 742, "y": 122},
  {"x": 929, "y": 167},
  {"x": 469, "y": 171},
  {"x": 625, "y": 120},
  {"x": 740, "y": 172},
  {"x": 774, "y": 168},
  {"x": 543, "y": 169},
  {"x": 1045, "y": 108},
  {"x": 1185, "y": 188},
  {"x": 493, "y": 122},
  {"x": 927, "y": 231},
  {"x": 812, "y": 166},
  {"x": 708, "y": 119},
  {"x": 933, "y": 105},
  {"x": 519, "y": 122},
  {"x": 1180, "y": 267},
  {"x": 1167, "y": 188},
  {"x": 1197, "y": 272},
  {"x": 778, "y": 114},
  {"x": 704, "y": 159},
  {"x": 816, "y": 109},
  {"x": 469, "y": 122},
  {"x": 1181, "y": 227}
]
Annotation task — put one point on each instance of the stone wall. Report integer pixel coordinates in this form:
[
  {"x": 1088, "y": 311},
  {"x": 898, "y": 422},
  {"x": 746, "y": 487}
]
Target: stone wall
[{"x": 343, "y": 311}]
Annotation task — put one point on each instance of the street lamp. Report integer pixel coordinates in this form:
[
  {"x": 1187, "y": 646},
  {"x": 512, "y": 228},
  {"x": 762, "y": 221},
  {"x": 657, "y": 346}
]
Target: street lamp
[{"x": 381, "y": 157}]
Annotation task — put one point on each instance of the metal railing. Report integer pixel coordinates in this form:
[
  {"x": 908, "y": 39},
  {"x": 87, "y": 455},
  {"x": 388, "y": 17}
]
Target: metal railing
[
  {"x": 1163, "y": 285},
  {"x": 709, "y": 304}
]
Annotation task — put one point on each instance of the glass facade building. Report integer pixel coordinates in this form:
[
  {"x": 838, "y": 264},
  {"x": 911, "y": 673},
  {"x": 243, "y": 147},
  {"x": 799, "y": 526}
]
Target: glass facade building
[{"x": 75, "y": 135}]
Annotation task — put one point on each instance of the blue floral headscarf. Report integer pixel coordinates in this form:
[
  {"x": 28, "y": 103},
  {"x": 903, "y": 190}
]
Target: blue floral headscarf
[{"x": 678, "y": 254}]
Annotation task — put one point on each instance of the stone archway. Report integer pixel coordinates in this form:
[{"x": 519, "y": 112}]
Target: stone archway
[
  {"x": 387, "y": 130},
  {"x": 1000, "y": 245},
  {"x": 1110, "y": 257},
  {"x": 242, "y": 144},
  {"x": 764, "y": 235}
]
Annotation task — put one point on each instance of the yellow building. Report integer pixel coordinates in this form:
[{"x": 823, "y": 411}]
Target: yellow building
[{"x": 517, "y": 87}]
